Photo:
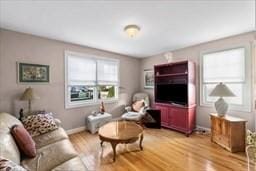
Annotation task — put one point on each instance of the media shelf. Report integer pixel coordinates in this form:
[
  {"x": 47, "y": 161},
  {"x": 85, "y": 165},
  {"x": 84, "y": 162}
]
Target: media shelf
[{"x": 175, "y": 95}]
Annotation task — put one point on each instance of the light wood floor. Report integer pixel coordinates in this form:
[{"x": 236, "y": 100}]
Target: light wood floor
[{"x": 163, "y": 150}]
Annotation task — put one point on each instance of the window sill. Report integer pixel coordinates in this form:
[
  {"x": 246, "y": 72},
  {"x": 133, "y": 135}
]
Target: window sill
[
  {"x": 231, "y": 108},
  {"x": 80, "y": 105}
]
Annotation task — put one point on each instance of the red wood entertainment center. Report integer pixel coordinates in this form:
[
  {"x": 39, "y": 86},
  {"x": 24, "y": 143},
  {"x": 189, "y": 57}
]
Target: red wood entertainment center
[{"x": 175, "y": 95}]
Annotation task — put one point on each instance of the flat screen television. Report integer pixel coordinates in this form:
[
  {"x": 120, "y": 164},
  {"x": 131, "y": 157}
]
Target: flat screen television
[{"x": 172, "y": 93}]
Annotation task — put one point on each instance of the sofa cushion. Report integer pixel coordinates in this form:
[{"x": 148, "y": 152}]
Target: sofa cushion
[
  {"x": 24, "y": 141},
  {"x": 50, "y": 137},
  {"x": 50, "y": 156},
  {"x": 8, "y": 165},
  {"x": 39, "y": 124},
  {"x": 74, "y": 164}
]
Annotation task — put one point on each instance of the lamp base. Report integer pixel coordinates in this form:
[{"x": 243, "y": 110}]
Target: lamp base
[{"x": 221, "y": 106}]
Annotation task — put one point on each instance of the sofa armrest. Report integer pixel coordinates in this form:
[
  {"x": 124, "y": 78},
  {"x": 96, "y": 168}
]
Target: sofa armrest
[{"x": 58, "y": 122}]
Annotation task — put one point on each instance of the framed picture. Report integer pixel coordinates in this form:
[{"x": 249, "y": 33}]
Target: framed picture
[
  {"x": 148, "y": 78},
  {"x": 33, "y": 73}
]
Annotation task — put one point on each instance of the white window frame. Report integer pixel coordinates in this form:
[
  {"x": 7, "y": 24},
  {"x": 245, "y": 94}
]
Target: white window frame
[
  {"x": 247, "y": 86},
  {"x": 95, "y": 100}
]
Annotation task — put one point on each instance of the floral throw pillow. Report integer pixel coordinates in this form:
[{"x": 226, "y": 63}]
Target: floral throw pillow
[
  {"x": 8, "y": 165},
  {"x": 39, "y": 124}
]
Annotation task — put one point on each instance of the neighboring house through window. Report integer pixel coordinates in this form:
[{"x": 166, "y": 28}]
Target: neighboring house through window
[
  {"x": 90, "y": 79},
  {"x": 232, "y": 67}
]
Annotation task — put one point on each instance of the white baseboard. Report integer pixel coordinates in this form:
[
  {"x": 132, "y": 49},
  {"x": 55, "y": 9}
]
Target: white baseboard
[
  {"x": 204, "y": 128},
  {"x": 75, "y": 130}
]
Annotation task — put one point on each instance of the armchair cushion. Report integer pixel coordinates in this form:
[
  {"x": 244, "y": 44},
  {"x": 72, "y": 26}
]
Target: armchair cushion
[
  {"x": 137, "y": 105},
  {"x": 141, "y": 96},
  {"x": 132, "y": 116}
]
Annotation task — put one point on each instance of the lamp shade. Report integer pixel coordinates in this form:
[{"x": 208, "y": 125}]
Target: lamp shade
[
  {"x": 29, "y": 94},
  {"x": 221, "y": 90}
]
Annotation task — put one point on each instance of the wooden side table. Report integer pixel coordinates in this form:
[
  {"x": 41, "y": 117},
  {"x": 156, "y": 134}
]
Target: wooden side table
[{"x": 229, "y": 132}]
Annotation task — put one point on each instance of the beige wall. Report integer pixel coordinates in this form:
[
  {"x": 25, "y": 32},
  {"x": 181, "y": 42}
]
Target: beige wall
[
  {"x": 193, "y": 54},
  {"x": 18, "y": 47}
]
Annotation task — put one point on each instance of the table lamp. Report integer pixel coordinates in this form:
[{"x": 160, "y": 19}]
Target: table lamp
[
  {"x": 29, "y": 95},
  {"x": 221, "y": 90}
]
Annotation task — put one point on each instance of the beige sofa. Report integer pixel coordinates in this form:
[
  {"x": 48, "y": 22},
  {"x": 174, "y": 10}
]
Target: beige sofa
[{"x": 54, "y": 150}]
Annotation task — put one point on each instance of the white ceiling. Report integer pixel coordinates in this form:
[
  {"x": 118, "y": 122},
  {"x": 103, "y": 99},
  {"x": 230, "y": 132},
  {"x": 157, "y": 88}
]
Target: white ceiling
[{"x": 165, "y": 25}]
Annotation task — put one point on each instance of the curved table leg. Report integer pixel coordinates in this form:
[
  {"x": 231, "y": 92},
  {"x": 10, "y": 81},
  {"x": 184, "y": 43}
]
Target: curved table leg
[
  {"x": 113, "y": 144},
  {"x": 141, "y": 139}
]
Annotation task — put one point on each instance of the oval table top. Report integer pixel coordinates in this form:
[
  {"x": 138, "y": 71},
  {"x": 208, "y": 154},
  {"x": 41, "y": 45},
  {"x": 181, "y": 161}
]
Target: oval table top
[{"x": 120, "y": 130}]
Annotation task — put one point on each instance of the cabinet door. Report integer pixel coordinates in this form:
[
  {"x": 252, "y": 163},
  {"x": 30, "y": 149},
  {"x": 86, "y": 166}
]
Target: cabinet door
[
  {"x": 216, "y": 126},
  {"x": 179, "y": 118},
  {"x": 164, "y": 115},
  {"x": 225, "y": 128}
]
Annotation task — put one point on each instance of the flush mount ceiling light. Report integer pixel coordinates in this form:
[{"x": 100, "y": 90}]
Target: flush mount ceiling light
[{"x": 132, "y": 30}]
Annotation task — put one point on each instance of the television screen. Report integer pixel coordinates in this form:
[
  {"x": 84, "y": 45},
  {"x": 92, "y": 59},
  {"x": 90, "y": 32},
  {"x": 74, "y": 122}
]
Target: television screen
[{"x": 172, "y": 93}]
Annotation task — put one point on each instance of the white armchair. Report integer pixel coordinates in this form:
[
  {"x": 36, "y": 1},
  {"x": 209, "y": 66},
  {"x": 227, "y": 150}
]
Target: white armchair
[{"x": 137, "y": 115}]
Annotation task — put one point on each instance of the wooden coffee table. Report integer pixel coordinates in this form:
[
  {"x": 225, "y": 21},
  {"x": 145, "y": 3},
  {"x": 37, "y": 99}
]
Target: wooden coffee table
[{"x": 117, "y": 132}]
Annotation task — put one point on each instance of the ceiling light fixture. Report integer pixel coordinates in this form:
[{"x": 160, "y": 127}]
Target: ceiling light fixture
[{"x": 132, "y": 30}]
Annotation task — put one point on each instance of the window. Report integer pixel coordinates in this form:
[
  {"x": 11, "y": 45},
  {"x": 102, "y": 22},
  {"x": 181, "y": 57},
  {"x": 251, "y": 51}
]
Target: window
[
  {"x": 90, "y": 80},
  {"x": 231, "y": 67}
]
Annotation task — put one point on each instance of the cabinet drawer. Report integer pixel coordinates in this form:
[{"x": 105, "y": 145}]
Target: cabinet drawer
[{"x": 216, "y": 124}]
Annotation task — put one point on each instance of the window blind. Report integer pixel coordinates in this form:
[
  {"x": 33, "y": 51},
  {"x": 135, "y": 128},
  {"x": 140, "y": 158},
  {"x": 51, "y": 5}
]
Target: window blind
[
  {"x": 81, "y": 71},
  {"x": 107, "y": 72},
  {"x": 225, "y": 66}
]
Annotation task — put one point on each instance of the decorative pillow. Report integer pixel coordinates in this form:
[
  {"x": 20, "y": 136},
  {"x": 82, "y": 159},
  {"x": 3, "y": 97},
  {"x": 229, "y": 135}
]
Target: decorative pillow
[
  {"x": 8, "y": 165},
  {"x": 251, "y": 138},
  {"x": 39, "y": 124},
  {"x": 24, "y": 141},
  {"x": 136, "y": 106}
]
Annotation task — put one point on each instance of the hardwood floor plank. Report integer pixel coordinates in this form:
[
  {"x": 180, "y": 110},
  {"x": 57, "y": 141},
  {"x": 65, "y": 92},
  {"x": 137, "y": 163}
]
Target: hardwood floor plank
[{"x": 164, "y": 150}]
